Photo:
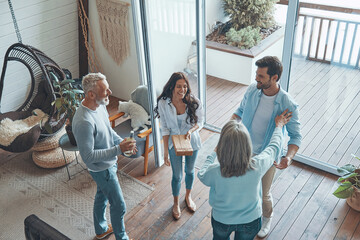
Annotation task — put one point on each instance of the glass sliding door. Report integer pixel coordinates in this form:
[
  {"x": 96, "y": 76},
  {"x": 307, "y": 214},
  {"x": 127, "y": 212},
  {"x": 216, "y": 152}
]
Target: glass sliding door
[
  {"x": 229, "y": 69},
  {"x": 323, "y": 80},
  {"x": 169, "y": 28}
]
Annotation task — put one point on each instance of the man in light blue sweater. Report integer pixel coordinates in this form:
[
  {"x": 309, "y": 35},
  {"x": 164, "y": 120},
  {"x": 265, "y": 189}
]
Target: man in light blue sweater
[
  {"x": 262, "y": 102},
  {"x": 99, "y": 146}
]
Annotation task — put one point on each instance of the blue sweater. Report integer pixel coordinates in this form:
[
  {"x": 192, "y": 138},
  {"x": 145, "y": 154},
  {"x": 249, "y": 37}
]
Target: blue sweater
[
  {"x": 238, "y": 200},
  {"x": 283, "y": 101},
  {"x": 98, "y": 143}
]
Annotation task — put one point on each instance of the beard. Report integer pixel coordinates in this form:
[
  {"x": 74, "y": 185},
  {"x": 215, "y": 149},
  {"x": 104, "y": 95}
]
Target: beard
[
  {"x": 263, "y": 85},
  {"x": 102, "y": 101}
]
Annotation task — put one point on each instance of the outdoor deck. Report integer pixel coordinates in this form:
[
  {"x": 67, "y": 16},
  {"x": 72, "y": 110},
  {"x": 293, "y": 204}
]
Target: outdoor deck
[{"x": 329, "y": 103}]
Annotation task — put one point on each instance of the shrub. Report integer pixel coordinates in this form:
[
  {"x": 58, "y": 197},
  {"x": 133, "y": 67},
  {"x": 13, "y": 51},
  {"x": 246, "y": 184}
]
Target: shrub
[
  {"x": 254, "y": 13},
  {"x": 244, "y": 38}
]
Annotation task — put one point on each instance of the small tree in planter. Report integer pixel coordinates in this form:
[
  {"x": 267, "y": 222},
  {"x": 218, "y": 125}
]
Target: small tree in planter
[
  {"x": 247, "y": 17},
  {"x": 251, "y": 33},
  {"x": 349, "y": 187}
]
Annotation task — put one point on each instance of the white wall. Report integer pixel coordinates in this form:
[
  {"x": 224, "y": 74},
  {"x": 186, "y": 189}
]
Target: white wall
[
  {"x": 172, "y": 29},
  {"x": 122, "y": 79},
  {"x": 50, "y": 26}
]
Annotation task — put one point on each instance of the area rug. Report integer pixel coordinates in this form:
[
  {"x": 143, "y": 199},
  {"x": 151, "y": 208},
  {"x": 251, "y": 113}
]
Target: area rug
[
  {"x": 207, "y": 148},
  {"x": 64, "y": 204}
]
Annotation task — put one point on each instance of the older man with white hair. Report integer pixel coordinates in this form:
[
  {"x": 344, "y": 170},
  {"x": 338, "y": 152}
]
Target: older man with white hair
[{"x": 99, "y": 146}]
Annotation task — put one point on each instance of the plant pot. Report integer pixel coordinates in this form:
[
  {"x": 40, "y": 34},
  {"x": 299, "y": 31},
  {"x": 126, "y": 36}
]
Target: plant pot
[
  {"x": 70, "y": 134},
  {"x": 236, "y": 65},
  {"x": 354, "y": 200}
]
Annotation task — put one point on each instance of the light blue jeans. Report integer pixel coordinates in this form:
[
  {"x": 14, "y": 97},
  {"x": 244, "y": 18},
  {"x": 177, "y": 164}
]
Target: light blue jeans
[
  {"x": 108, "y": 190},
  {"x": 176, "y": 165}
]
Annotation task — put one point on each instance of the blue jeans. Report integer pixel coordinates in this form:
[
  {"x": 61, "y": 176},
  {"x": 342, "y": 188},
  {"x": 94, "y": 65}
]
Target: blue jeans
[
  {"x": 176, "y": 166},
  {"x": 108, "y": 190},
  {"x": 245, "y": 231}
]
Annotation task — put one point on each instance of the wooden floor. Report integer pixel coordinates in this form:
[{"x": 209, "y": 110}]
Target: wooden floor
[
  {"x": 304, "y": 207},
  {"x": 329, "y": 103}
]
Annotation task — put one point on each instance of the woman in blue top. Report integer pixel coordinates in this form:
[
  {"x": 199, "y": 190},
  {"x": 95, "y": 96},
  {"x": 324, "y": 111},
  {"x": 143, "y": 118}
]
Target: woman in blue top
[
  {"x": 180, "y": 114},
  {"x": 235, "y": 180}
]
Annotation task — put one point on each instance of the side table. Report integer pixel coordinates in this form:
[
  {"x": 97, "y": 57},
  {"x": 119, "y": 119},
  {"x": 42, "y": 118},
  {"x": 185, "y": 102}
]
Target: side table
[{"x": 65, "y": 144}]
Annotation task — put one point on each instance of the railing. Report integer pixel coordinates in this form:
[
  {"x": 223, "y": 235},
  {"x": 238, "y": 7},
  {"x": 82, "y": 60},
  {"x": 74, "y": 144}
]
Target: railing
[{"x": 328, "y": 34}]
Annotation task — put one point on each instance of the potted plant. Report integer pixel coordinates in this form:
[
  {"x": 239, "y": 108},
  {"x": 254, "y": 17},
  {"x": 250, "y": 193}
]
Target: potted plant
[
  {"x": 68, "y": 99},
  {"x": 349, "y": 187},
  {"x": 250, "y": 33}
]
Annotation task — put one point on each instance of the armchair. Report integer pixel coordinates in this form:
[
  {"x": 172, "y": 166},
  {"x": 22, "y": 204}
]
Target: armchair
[{"x": 144, "y": 141}]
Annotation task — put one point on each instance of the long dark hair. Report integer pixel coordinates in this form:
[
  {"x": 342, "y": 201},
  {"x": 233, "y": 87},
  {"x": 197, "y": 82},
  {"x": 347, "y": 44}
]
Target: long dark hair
[{"x": 189, "y": 100}]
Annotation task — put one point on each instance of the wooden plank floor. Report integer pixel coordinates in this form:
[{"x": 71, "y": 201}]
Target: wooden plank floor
[
  {"x": 329, "y": 103},
  {"x": 304, "y": 207}
]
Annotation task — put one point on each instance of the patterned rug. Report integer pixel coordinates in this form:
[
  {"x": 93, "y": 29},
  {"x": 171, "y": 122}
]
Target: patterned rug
[{"x": 64, "y": 204}]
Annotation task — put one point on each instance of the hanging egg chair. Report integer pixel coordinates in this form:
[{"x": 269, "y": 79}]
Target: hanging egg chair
[{"x": 40, "y": 95}]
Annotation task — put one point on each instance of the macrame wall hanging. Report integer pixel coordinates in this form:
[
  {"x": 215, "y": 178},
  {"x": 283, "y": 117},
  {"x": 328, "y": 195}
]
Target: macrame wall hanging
[{"x": 113, "y": 17}]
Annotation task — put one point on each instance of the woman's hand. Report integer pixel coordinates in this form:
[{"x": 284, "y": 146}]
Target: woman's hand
[
  {"x": 166, "y": 159},
  {"x": 188, "y": 135},
  {"x": 283, "y": 118}
]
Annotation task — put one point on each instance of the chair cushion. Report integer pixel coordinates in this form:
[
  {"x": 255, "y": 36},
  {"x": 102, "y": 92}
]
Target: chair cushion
[
  {"x": 123, "y": 130},
  {"x": 23, "y": 142},
  {"x": 140, "y": 96},
  {"x": 42, "y": 100}
]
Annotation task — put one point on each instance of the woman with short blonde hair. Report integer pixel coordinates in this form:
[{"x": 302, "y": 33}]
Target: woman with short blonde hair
[
  {"x": 234, "y": 158},
  {"x": 235, "y": 181}
]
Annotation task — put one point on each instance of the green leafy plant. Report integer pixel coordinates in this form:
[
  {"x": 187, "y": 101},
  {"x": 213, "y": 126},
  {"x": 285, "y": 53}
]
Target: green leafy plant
[
  {"x": 247, "y": 18},
  {"x": 244, "y": 38},
  {"x": 68, "y": 98},
  {"x": 349, "y": 180},
  {"x": 254, "y": 13}
]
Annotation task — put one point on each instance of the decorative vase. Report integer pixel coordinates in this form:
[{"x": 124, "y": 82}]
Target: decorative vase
[
  {"x": 70, "y": 135},
  {"x": 354, "y": 200}
]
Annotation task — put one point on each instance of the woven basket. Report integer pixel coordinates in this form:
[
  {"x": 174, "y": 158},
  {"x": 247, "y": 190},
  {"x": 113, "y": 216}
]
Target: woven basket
[
  {"x": 52, "y": 158},
  {"x": 50, "y": 142}
]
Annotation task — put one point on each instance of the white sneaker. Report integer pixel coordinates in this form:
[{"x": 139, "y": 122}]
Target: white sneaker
[{"x": 265, "y": 228}]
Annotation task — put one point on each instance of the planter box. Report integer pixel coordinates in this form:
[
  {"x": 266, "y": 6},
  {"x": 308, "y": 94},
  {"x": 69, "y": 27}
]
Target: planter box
[{"x": 236, "y": 65}]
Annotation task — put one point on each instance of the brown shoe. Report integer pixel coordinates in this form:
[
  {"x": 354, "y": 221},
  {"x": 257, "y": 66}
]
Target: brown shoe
[
  {"x": 191, "y": 205},
  {"x": 105, "y": 234},
  {"x": 176, "y": 212}
]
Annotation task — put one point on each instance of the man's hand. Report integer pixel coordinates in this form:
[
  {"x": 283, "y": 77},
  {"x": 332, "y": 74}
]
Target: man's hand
[
  {"x": 284, "y": 163},
  {"x": 127, "y": 145}
]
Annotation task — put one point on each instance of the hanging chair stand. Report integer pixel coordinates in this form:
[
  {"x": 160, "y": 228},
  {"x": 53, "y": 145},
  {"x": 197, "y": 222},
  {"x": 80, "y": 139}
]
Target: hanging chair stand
[{"x": 41, "y": 93}]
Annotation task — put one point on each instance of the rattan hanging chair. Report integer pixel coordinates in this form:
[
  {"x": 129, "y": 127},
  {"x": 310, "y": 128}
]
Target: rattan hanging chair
[{"x": 40, "y": 96}]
